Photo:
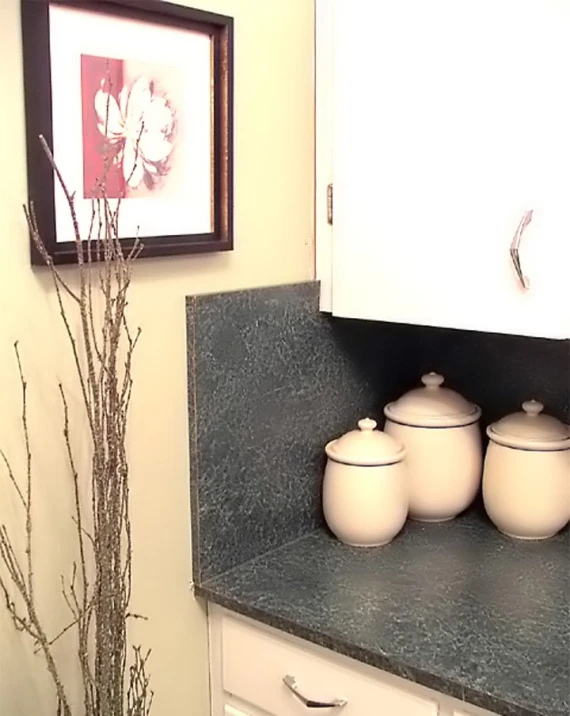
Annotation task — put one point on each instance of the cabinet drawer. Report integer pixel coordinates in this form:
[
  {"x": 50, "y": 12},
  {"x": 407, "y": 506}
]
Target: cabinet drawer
[{"x": 256, "y": 662}]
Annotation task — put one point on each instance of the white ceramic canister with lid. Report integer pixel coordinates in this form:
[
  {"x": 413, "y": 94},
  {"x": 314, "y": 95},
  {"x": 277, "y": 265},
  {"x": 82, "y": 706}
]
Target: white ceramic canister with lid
[
  {"x": 526, "y": 478},
  {"x": 365, "y": 490},
  {"x": 440, "y": 430}
]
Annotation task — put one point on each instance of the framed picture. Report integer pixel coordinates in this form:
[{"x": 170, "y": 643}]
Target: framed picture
[{"x": 139, "y": 91}]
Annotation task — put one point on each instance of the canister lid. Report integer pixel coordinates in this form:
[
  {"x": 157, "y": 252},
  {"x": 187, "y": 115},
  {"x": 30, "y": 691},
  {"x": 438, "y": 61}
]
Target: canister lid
[
  {"x": 531, "y": 429},
  {"x": 366, "y": 446},
  {"x": 432, "y": 406}
]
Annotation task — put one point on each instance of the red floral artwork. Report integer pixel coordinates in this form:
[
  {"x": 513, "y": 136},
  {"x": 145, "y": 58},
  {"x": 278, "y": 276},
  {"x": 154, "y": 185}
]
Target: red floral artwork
[{"x": 128, "y": 120}]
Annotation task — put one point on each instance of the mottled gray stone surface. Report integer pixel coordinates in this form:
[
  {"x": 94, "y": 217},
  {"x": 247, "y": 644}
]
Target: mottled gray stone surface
[
  {"x": 498, "y": 372},
  {"x": 268, "y": 387},
  {"x": 456, "y": 607},
  {"x": 271, "y": 380}
]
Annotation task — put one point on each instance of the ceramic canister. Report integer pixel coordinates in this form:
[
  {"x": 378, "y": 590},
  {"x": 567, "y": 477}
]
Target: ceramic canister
[
  {"x": 443, "y": 442},
  {"x": 365, "y": 490},
  {"x": 526, "y": 478}
]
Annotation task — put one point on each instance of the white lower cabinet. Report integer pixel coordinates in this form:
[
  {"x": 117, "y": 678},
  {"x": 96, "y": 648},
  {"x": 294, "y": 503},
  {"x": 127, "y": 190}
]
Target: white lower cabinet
[{"x": 259, "y": 671}]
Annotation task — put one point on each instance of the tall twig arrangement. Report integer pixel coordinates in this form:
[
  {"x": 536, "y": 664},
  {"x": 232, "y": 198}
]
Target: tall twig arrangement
[{"x": 98, "y": 591}]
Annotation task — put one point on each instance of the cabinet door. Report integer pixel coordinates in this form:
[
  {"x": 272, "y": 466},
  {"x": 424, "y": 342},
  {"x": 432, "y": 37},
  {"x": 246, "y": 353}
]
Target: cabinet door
[{"x": 451, "y": 122}]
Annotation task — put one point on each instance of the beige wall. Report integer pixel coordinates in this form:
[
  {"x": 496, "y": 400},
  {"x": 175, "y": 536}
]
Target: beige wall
[{"x": 274, "y": 140}]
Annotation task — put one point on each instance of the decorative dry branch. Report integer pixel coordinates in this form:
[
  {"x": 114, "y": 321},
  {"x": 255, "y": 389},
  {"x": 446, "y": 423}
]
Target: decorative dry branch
[{"x": 98, "y": 592}]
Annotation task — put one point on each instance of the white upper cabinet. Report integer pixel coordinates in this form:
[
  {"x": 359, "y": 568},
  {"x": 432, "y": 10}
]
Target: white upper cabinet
[{"x": 444, "y": 127}]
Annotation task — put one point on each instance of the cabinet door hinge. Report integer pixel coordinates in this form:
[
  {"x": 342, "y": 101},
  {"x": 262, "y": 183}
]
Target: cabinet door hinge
[{"x": 330, "y": 203}]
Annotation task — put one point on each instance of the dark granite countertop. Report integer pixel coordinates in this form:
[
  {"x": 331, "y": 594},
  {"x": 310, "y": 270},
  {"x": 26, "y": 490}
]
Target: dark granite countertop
[{"x": 456, "y": 607}]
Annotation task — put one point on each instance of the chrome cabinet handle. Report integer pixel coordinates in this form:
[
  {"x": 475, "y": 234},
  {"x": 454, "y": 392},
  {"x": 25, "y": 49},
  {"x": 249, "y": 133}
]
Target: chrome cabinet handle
[
  {"x": 515, "y": 244},
  {"x": 291, "y": 683}
]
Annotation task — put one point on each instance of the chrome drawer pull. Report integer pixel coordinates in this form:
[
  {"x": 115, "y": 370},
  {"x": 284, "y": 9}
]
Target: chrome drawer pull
[
  {"x": 291, "y": 683},
  {"x": 515, "y": 244}
]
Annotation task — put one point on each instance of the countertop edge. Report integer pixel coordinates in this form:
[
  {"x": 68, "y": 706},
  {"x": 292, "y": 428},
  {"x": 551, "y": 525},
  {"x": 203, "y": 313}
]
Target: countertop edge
[{"x": 382, "y": 662}]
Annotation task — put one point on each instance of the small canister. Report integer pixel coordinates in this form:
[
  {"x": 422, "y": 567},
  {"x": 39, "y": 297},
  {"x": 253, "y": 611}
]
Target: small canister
[
  {"x": 440, "y": 430},
  {"x": 365, "y": 490},
  {"x": 526, "y": 478}
]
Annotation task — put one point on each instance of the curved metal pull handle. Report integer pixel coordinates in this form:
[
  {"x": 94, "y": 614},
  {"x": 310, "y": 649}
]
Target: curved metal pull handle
[
  {"x": 515, "y": 244},
  {"x": 291, "y": 683}
]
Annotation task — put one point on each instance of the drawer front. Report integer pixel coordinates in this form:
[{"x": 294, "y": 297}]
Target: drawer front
[{"x": 255, "y": 664}]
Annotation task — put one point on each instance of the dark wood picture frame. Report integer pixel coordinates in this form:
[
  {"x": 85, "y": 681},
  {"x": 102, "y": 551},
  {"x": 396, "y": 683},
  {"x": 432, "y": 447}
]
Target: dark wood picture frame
[{"x": 39, "y": 121}]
